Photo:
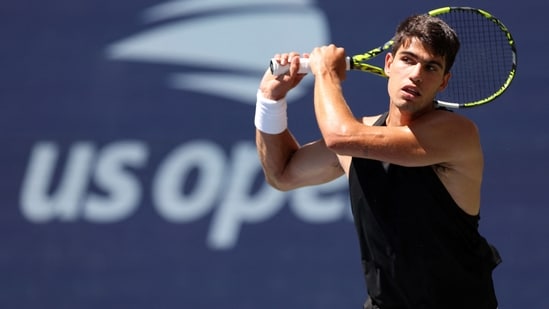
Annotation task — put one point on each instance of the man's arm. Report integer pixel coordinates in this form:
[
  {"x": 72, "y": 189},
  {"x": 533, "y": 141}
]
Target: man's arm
[
  {"x": 286, "y": 164},
  {"x": 435, "y": 138}
]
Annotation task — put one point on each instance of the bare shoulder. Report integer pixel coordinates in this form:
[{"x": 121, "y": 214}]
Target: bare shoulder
[
  {"x": 447, "y": 115},
  {"x": 461, "y": 171},
  {"x": 458, "y": 139},
  {"x": 448, "y": 123}
]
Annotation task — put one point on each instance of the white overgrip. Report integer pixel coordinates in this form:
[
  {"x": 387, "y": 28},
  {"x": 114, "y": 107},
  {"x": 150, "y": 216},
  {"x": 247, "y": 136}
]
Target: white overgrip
[{"x": 278, "y": 69}]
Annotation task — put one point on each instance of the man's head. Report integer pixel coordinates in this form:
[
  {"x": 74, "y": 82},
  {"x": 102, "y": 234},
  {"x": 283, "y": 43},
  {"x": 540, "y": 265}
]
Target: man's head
[{"x": 433, "y": 33}]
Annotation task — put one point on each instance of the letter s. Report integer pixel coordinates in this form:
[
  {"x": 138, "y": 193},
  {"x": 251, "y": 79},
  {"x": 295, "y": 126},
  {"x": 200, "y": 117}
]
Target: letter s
[{"x": 112, "y": 176}]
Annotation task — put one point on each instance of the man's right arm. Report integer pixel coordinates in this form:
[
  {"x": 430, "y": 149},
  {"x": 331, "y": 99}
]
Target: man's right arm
[{"x": 287, "y": 165}]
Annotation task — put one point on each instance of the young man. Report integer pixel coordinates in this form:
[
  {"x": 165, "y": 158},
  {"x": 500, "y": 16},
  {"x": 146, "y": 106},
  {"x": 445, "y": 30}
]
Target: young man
[{"x": 414, "y": 172}]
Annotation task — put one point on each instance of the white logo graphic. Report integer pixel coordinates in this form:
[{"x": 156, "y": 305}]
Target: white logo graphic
[
  {"x": 231, "y": 41},
  {"x": 223, "y": 47}
]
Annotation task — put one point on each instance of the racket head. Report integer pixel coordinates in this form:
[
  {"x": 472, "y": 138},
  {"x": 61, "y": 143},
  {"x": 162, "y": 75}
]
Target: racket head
[{"x": 486, "y": 63}]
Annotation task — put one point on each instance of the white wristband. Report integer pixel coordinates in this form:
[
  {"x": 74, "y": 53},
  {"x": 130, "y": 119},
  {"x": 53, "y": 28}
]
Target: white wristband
[{"x": 270, "y": 115}]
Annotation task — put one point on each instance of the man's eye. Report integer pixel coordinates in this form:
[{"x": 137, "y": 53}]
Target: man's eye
[{"x": 432, "y": 68}]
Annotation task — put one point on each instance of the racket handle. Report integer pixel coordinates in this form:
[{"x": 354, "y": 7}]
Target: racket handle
[{"x": 277, "y": 69}]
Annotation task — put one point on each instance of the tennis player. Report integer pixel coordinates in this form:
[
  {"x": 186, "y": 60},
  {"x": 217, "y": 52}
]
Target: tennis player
[{"x": 414, "y": 172}]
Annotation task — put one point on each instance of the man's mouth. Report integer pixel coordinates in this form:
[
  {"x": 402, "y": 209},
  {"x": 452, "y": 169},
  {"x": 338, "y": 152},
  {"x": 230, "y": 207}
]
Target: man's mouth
[{"x": 411, "y": 90}]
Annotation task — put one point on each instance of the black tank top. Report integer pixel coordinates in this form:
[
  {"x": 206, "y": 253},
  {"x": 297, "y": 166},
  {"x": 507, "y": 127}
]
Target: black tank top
[{"x": 419, "y": 249}]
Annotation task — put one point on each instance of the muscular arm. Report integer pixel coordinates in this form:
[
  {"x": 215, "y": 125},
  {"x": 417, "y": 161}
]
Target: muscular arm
[
  {"x": 436, "y": 137},
  {"x": 287, "y": 165}
]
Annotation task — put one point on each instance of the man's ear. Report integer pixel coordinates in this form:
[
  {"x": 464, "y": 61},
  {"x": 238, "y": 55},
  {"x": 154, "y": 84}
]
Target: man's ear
[
  {"x": 388, "y": 62},
  {"x": 445, "y": 81}
]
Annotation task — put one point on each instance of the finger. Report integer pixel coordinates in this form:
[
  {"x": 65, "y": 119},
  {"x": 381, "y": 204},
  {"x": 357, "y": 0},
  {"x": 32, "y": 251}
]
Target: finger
[
  {"x": 282, "y": 59},
  {"x": 294, "y": 65},
  {"x": 287, "y": 58},
  {"x": 293, "y": 55}
]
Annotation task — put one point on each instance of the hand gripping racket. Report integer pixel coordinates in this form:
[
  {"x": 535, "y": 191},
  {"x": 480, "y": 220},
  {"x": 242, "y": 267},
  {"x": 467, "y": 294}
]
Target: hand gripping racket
[{"x": 484, "y": 67}]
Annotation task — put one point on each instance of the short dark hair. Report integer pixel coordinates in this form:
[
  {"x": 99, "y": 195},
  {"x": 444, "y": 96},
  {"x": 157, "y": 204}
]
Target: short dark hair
[{"x": 439, "y": 38}]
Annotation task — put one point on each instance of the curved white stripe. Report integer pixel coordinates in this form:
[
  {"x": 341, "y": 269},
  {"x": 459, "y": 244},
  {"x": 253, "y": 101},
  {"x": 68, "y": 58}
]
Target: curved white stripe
[
  {"x": 236, "y": 87},
  {"x": 178, "y": 8},
  {"x": 226, "y": 42}
]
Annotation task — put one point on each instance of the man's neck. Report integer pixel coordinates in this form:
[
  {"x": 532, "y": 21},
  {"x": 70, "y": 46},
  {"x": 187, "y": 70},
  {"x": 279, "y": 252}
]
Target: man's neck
[{"x": 403, "y": 117}]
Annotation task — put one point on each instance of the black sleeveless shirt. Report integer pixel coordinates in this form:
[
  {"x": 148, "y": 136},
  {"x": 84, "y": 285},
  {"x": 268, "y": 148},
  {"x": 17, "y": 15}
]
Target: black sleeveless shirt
[{"x": 419, "y": 249}]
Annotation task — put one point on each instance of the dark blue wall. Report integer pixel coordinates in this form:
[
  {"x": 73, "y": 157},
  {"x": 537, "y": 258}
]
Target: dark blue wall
[{"x": 129, "y": 177}]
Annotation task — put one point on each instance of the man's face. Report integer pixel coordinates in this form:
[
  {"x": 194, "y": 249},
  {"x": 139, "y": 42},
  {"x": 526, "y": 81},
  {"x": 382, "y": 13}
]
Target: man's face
[{"x": 415, "y": 76}]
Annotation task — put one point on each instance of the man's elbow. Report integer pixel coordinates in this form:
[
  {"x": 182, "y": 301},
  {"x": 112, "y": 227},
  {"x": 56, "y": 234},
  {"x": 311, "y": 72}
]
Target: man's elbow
[
  {"x": 336, "y": 140},
  {"x": 278, "y": 184}
]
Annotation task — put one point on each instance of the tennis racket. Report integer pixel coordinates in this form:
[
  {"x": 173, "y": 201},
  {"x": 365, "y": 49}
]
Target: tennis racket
[{"x": 484, "y": 66}]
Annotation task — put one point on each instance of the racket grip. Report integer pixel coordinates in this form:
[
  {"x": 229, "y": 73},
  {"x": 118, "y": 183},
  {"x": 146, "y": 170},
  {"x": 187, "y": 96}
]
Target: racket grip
[{"x": 277, "y": 69}]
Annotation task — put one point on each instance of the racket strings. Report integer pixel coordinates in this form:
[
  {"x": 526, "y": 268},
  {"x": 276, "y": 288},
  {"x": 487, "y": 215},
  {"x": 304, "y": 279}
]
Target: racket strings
[{"x": 483, "y": 64}]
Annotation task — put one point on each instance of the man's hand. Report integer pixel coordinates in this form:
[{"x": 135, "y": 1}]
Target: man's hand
[
  {"x": 276, "y": 87},
  {"x": 328, "y": 60}
]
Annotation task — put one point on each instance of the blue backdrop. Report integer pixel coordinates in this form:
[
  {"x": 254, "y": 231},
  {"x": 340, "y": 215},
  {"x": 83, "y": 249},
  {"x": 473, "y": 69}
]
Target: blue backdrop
[{"x": 129, "y": 177}]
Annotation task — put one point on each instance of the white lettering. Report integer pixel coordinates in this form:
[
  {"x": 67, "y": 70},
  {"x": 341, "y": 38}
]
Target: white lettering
[
  {"x": 171, "y": 201},
  {"x": 37, "y": 203},
  {"x": 239, "y": 205},
  {"x": 193, "y": 180},
  {"x": 112, "y": 176}
]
